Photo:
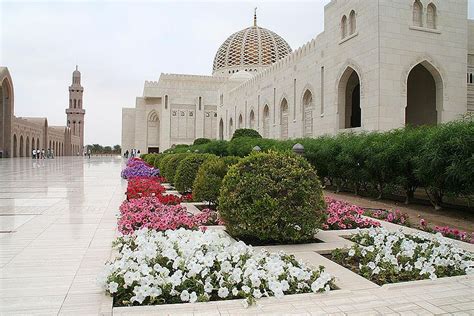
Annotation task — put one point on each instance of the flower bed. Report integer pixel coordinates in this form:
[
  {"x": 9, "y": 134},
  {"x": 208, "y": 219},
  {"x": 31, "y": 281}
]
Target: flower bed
[
  {"x": 193, "y": 266},
  {"x": 137, "y": 168},
  {"x": 395, "y": 217},
  {"x": 143, "y": 187},
  {"x": 389, "y": 257},
  {"x": 149, "y": 212},
  {"x": 447, "y": 231},
  {"x": 342, "y": 215}
]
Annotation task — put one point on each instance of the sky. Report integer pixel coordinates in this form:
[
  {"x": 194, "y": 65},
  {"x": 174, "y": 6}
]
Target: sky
[{"x": 120, "y": 44}]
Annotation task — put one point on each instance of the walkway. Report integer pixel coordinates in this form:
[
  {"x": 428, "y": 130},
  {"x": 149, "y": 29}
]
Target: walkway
[{"x": 57, "y": 222}]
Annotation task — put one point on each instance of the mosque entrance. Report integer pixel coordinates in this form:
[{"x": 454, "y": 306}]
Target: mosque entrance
[
  {"x": 153, "y": 150},
  {"x": 424, "y": 94},
  {"x": 350, "y": 113}
]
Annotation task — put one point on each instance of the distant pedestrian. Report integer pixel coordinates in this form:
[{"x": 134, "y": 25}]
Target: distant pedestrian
[
  {"x": 42, "y": 153},
  {"x": 89, "y": 153},
  {"x": 34, "y": 153}
]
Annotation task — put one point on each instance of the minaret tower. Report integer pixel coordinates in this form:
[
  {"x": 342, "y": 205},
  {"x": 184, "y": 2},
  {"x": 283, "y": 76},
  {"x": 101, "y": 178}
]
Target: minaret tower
[{"x": 75, "y": 112}]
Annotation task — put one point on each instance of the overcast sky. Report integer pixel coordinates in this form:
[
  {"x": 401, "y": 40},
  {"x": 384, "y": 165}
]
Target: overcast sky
[{"x": 120, "y": 44}]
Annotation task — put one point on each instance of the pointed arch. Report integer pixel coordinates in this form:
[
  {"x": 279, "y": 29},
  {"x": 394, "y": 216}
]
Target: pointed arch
[
  {"x": 424, "y": 94},
  {"x": 252, "y": 119},
  {"x": 240, "y": 122},
  {"x": 266, "y": 121},
  {"x": 27, "y": 150},
  {"x": 344, "y": 27},
  {"x": 431, "y": 16},
  {"x": 15, "y": 146},
  {"x": 284, "y": 113},
  {"x": 221, "y": 129},
  {"x": 231, "y": 128},
  {"x": 153, "y": 130},
  {"x": 22, "y": 149},
  {"x": 6, "y": 112},
  {"x": 308, "y": 113},
  {"x": 352, "y": 22},
  {"x": 417, "y": 13},
  {"x": 349, "y": 99}
]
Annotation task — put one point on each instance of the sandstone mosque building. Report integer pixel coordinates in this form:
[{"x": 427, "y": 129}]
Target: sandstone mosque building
[
  {"x": 20, "y": 135},
  {"x": 378, "y": 65}
]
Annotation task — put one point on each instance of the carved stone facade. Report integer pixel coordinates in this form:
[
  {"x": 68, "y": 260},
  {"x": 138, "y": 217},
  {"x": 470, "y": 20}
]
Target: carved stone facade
[
  {"x": 377, "y": 66},
  {"x": 20, "y": 135}
]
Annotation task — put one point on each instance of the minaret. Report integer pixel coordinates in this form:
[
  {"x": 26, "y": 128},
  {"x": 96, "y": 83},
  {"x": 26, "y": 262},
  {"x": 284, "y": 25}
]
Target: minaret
[{"x": 75, "y": 112}]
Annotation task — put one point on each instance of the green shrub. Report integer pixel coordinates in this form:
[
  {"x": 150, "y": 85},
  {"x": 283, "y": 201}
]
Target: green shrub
[
  {"x": 171, "y": 165},
  {"x": 218, "y": 148},
  {"x": 157, "y": 160},
  {"x": 200, "y": 141},
  {"x": 149, "y": 158},
  {"x": 187, "y": 170},
  {"x": 246, "y": 132},
  {"x": 446, "y": 162},
  {"x": 272, "y": 197},
  {"x": 208, "y": 180}
]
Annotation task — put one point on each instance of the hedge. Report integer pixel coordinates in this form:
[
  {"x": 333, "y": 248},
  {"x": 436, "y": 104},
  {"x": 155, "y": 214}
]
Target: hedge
[
  {"x": 187, "y": 170},
  {"x": 246, "y": 132}
]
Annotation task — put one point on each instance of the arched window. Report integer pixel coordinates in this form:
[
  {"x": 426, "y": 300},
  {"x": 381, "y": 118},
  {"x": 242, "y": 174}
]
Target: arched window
[
  {"x": 352, "y": 22},
  {"x": 252, "y": 120},
  {"x": 240, "y": 121},
  {"x": 266, "y": 122},
  {"x": 417, "y": 13},
  {"x": 431, "y": 16},
  {"x": 344, "y": 27},
  {"x": 75, "y": 102},
  {"x": 231, "y": 128},
  {"x": 284, "y": 119},
  {"x": 79, "y": 104},
  {"x": 70, "y": 102},
  {"x": 308, "y": 113}
]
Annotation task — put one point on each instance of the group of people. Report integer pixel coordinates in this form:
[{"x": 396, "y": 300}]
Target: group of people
[
  {"x": 132, "y": 153},
  {"x": 42, "y": 154}
]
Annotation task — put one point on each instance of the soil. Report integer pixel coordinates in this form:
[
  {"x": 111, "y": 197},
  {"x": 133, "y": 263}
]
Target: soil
[{"x": 460, "y": 218}]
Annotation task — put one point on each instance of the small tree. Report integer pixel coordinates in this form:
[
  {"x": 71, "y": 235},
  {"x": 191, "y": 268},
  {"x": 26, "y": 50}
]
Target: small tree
[{"x": 246, "y": 132}]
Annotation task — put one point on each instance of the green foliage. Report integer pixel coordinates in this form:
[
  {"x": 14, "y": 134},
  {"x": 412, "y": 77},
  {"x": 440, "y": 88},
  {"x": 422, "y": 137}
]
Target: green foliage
[
  {"x": 445, "y": 165},
  {"x": 170, "y": 165},
  {"x": 156, "y": 162},
  {"x": 187, "y": 170},
  {"x": 272, "y": 197},
  {"x": 208, "y": 180},
  {"x": 246, "y": 132},
  {"x": 200, "y": 141}
]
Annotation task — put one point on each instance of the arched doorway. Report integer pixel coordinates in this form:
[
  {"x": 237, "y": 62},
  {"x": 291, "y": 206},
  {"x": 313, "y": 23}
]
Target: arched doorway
[
  {"x": 6, "y": 110},
  {"x": 308, "y": 114},
  {"x": 350, "y": 113},
  {"x": 153, "y": 133},
  {"x": 266, "y": 121},
  {"x": 22, "y": 149},
  {"x": 424, "y": 95},
  {"x": 221, "y": 130},
  {"x": 231, "y": 128},
  {"x": 252, "y": 119},
  {"x": 28, "y": 150},
  {"x": 15, "y": 146},
  {"x": 284, "y": 119}
]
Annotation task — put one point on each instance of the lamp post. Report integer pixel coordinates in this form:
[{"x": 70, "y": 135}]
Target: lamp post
[
  {"x": 257, "y": 149},
  {"x": 298, "y": 149}
]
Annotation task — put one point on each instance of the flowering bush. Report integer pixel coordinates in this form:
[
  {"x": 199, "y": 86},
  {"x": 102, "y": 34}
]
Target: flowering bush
[
  {"x": 447, "y": 231},
  {"x": 151, "y": 213},
  {"x": 169, "y": 199},
  {"x": 396, "y": 217},
  {"x": 187, "y": 197},
  {"x": 342, "y": 215},
  {"x": 193, "y": 266},
  {"x": 136, "y": 167},
  {"x": 143, "y": 187},
  {"x": 389, "y": 257}
]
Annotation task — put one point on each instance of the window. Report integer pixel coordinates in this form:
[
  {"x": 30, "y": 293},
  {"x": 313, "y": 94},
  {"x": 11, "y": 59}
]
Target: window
[
  {"x": 352, "y": 22},
  {"x": 182, "y": 113},
  {"x": 431, "y": 16},
  {"x": 417, "y": 13},
  {"x": 166, "y": 103},
  {"x": 469, "y": 78},
  {"x": 174, "y": 113},
  {"x": 200, "y": 101},
  {"x": 208, "y": 114},
  {"x": 75, "y": 102},
  {"x": 215, "y": 114},
  {"x": 191, "y": 113},
  {"x": 344, "y": 27}
]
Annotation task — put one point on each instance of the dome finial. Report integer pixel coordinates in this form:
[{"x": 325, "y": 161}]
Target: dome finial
[
  {"x": 76, "y": 67},
  {"x": 255, "y": 17}
]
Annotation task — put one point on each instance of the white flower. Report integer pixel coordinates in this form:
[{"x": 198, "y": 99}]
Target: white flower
[
  {"x": 113, "y": 286},
  {"x": 208, "y": 287},
  {"x": 235, "y": 291},
  {"x": 246, "y": 289},
  {"x": 184, "y": 296},
  {"x": 193, "y": 297},
  {"x": 351, "y": 253},
  {"x": 256, "y": 293},
  {"x": 223, "y": 292}
]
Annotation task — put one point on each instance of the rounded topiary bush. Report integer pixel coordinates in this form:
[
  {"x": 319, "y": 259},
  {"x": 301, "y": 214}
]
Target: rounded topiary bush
[
  {"x": 208, "y": 180},
  {"x": 187, "y": 170},
  {"x": 170, "y": 166},
  {"x": 246, "y": 132},
  {"x": 272, "y": 197},
  {"x": 200, "y": 141}
]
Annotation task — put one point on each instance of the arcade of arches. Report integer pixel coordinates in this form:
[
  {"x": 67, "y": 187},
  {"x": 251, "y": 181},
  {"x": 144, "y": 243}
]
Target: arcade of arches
[{"x": 20, "y": 135}]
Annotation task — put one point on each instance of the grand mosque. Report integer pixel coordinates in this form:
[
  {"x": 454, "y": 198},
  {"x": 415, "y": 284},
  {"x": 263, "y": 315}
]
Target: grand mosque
[{"x": 377, "y": 65}]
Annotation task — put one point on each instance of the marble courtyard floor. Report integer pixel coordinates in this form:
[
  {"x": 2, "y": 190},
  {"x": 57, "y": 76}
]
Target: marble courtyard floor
[{"x": 57, "y": 222}]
